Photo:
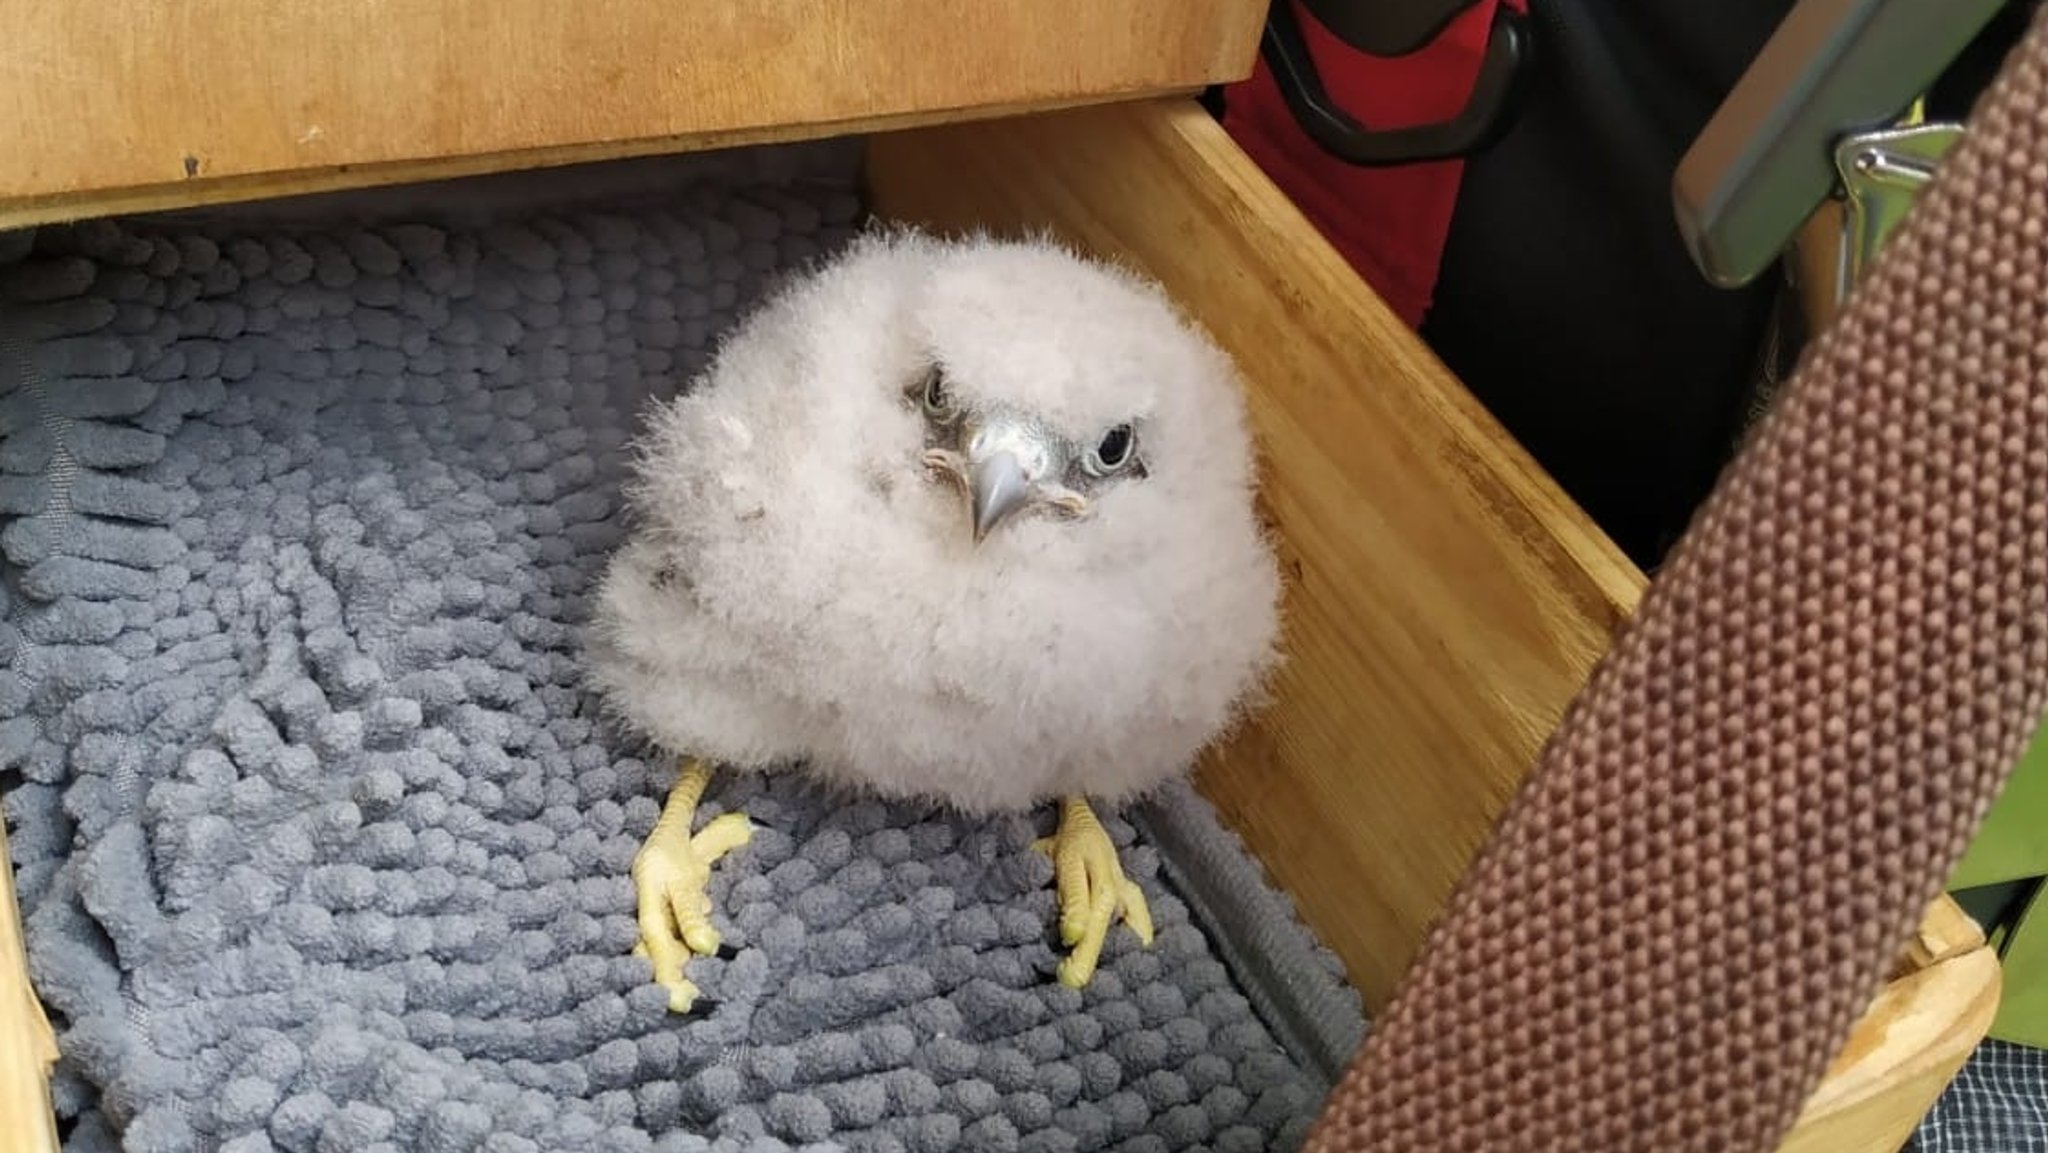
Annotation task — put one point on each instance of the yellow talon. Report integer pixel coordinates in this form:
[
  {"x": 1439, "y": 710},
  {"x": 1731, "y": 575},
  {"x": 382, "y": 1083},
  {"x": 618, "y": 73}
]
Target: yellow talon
[
  {"x": 670, "y": 874},
  {"x": 1093, "y": 890}
]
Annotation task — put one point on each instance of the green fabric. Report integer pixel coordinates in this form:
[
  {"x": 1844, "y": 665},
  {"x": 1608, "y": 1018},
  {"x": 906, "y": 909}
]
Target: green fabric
[
  {"x": 2023, "y": 1005},
  {"x": 2013, "y": 846}
]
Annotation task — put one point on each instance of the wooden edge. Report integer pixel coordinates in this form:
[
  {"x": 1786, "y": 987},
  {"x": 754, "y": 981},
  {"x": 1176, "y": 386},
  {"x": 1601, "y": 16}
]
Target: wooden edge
[
  {"x": 1900, "y": 1057},
  {"x": 139, "y": 99},
  {"x": 28, "y": 1046},
  {"x": 1946, "y": 932},
  {"x": 202, "y": 192}
]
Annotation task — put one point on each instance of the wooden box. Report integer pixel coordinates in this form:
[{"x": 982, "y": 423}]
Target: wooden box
[{"x": 1446, "y": 599}]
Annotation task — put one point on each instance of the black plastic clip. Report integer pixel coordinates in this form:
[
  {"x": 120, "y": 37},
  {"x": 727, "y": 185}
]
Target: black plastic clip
[{"x": 1396, "y": 28}]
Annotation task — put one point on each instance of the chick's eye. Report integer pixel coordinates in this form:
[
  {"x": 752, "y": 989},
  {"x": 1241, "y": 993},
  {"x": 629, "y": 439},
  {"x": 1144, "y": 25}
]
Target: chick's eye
[
  {"x": 938, "y": 399},
  {"x": 1115, "y": 452}
]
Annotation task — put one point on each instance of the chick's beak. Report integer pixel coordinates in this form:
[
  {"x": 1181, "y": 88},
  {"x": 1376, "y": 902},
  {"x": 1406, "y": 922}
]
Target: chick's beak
[{"x": 998, "y": 489}]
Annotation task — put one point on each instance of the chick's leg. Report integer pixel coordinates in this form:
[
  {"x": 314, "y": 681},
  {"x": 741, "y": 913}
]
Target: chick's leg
[
  {"x": 1093, "y": 890},
  {"x": 669, "y": 877}
]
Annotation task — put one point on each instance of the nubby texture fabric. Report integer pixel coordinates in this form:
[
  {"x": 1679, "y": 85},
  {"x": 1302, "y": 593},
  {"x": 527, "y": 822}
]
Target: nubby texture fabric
[
  {"x": 321, "y": 842},
  {"x": 1728, "y": 841}
]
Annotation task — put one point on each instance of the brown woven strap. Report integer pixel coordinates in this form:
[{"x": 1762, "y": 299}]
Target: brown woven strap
[{"x": 1725, "y": 845}]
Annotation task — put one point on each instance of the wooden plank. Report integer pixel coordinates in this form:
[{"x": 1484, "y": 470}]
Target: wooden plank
[
  {"x": 1445, "y": 600},
  {"x": 27, "y": 1046},
  {"x": 123, "y": 105},
  {"x": 1902, "y": 1054}
]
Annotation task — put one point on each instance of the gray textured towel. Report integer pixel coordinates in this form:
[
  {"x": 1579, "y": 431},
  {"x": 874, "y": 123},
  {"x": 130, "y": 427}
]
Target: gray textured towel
[{"x": 319, "y": 844}]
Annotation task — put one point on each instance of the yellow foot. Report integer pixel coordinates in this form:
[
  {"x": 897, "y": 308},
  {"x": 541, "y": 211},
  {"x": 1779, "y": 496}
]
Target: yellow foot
[
  {"x": 1093, "y": 890},
  {"x": 669, "y": 876}
]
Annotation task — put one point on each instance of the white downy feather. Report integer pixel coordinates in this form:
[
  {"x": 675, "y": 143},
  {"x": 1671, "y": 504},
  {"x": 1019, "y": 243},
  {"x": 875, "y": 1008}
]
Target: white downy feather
[{"x": 798, "y": 588}]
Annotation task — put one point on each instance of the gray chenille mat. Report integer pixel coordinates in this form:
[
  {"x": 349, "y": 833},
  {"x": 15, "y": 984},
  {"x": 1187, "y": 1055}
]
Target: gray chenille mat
[{"x": 319, "y": 844}]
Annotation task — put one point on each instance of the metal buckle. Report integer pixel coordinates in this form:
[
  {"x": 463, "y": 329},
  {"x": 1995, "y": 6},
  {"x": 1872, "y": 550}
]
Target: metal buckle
[
  {"x": 1882, "y": 172},
  {"x": 1833, "y": 69}
]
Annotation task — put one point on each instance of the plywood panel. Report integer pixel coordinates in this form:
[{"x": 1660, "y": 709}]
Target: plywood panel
[
  {"x": 120, "y": 105},
  {"x": 1445, "y": 600}
]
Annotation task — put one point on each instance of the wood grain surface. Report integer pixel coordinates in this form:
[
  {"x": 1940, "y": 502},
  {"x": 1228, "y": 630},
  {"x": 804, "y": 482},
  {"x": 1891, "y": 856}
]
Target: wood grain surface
[
  {"x": 1445, "y": 600},
  {"x": 126, "y": 105}
]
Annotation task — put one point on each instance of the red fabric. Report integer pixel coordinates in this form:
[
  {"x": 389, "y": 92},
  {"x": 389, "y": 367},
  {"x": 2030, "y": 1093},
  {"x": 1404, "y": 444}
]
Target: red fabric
[{"x": 1390, "y": 223}]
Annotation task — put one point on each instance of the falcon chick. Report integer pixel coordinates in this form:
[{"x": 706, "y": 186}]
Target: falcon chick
[{"x": 963, "y": 521}]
